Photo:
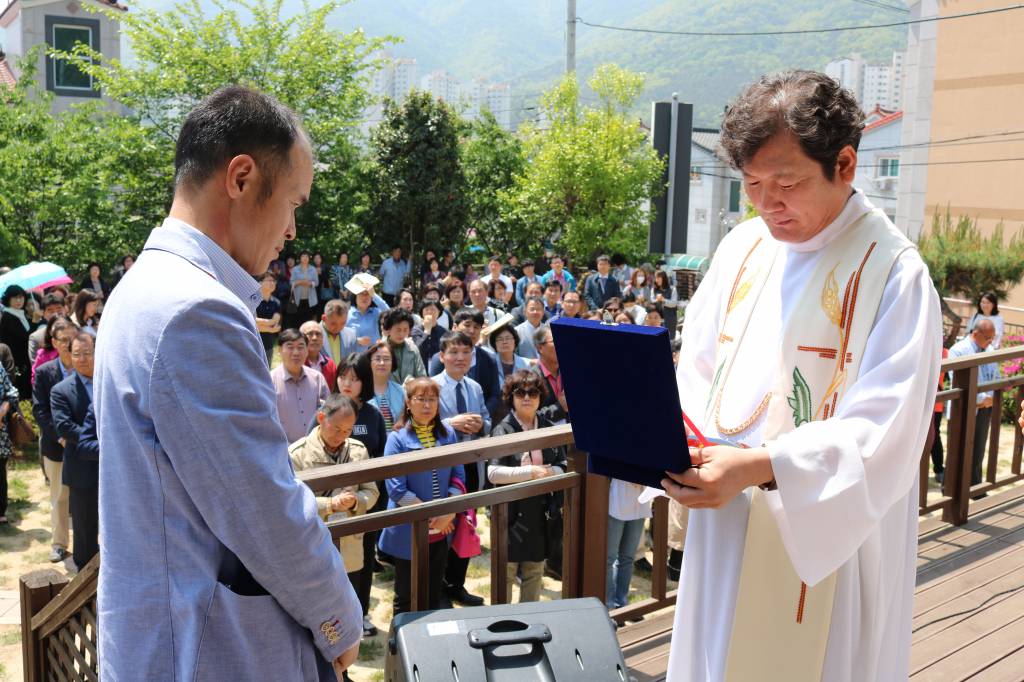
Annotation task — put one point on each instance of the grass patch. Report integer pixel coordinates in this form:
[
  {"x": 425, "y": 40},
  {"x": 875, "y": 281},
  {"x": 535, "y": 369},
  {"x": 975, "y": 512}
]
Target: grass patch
[
  {"x": 478, "y": 569},
  {"x": 377, "y": 676},
  {"x": 10, "y": 637},
  {"x": 387, "y": 575},
  {"x": 18, "y": 488},
  {"x": 369, "y": 649}
]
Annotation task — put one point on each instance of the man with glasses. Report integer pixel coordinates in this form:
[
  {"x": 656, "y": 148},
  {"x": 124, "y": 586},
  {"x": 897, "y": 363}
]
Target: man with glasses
[
  {"x": 48, "y": 375},
  {"x": 462, "y": 403},
  {"x": 70, "y": 402}
]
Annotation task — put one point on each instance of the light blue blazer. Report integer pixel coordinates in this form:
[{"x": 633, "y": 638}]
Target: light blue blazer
[{"x": 216, "y": 565}]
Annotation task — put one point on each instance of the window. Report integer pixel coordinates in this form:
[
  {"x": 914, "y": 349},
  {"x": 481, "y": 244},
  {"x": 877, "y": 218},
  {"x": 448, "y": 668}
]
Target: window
[
  {"x": 695, "y": 175},
  {"x": 888, "y": 168},
  {"x": 65, "y": 33},
  {"x": 734, "y": 196},
  {"x": 65, "y": 74}
]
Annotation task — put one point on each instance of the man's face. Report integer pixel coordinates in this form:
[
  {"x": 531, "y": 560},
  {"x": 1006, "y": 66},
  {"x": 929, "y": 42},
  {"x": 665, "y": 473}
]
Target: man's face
[
  {"x": 546, "y": 351},
  {"x": 556, "y": 264},
  {"x": 336, "y": 428},
  {"x": 528, "y": 270},
  {"x": 128, "y": 263},
  {"x": 789, "y": 189},
  {"x": 983, "y": 337},
  {"x": 396, "y": 254},
  {"x": 260, "y": 230},
  {"x": 603, "y": 267},
  {"x": 470, "y": 328},
  {"x": 51, "y": 310},
  {"x": 398, "y": 333},
  {"x": 62, "y": 342},
  {"x": 551, "y": 295},
  {"x": 653, "y": 319},
  {"x": 405, "y": 301},
  {"x": 314, "y": 338},
  {"x": 571, "y": 304},
  {"x": 457, "y": 359},
  {"x": 478, "y": 294},
  {"x": 534, "y": 312},
  {"x": 293, "y": 355},
  {"x": 82, "y": 356},
  {"x": 494, "y": 267},
  {"x": 534, "y": 289},
  {"x": 335, "y": 322}
]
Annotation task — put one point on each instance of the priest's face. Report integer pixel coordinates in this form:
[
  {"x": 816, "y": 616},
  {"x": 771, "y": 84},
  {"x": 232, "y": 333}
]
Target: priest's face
[{"x": 790, "y": 191}]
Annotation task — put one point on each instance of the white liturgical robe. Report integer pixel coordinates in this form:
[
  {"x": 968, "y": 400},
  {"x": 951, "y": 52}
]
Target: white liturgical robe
[{"x": 847, "y": 487}]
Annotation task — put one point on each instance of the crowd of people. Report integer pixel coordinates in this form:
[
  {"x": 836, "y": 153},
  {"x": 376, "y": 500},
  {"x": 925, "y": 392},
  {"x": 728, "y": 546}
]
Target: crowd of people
[{"x": 366, "y": 361}]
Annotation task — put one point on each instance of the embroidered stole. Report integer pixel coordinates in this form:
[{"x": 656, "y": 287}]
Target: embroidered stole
[{"x": 780, "y": 624}]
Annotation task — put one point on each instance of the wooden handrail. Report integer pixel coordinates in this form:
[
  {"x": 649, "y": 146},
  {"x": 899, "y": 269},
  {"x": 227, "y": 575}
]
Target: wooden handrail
[
  {"x": 380, "y": 468},
  {"x": 1001, "y": 355}
]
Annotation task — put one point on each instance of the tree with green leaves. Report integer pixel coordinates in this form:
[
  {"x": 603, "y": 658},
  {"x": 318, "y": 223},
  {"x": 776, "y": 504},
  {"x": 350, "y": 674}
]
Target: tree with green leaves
[
  {"x": 492, "y": 158},
  {"x": 73, "y": 187},
  {"x": 592, "y": 173},
  {"x": 182, "y": 55},
  {"x": 416, "y": 183},
  {"x": 963, "y": 262}
]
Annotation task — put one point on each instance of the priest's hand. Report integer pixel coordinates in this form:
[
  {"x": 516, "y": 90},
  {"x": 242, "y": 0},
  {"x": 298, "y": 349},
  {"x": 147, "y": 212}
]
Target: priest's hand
[{"x": 719, "y": 473}]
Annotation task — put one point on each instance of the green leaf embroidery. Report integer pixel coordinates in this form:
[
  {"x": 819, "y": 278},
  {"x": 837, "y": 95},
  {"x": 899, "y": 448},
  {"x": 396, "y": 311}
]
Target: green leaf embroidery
[
  {"x": 800, "y": 401},
  {"x": 714, "y": 384}
]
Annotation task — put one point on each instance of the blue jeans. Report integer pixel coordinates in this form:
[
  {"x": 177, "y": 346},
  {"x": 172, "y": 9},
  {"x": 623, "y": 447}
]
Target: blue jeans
[{"x": 623, "y": 539}]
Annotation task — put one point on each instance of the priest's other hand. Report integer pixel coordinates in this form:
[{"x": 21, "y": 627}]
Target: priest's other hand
[{"x": 719, "y": 473}]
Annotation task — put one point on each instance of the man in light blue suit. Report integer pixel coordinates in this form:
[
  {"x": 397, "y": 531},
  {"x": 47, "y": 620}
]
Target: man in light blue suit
[{"x": 215, "y": 563}]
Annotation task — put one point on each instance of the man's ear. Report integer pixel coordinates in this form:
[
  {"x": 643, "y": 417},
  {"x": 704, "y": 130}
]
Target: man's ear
[
  {"x": 241, "y": 176},
  {"x": 846, "y": 164}
]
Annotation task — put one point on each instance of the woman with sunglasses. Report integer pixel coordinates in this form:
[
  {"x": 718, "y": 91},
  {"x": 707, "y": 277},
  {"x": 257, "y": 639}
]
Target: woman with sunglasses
[{"x": 528, "y": 519}]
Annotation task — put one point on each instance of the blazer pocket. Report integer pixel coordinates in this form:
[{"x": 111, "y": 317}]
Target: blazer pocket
[{"x": 253, "y": 638}]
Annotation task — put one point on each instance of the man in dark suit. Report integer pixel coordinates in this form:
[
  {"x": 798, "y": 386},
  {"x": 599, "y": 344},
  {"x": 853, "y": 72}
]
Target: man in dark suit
[
  {"x": 48, "y": 375},
  {"x": 484, "y": 370},
  {"x": 602, "y": 286},
  {"x": 70, "y": 403}
]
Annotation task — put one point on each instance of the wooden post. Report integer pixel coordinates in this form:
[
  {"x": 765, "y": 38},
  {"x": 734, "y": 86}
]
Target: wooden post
[
  {"x": 35, "y": 591},
  {"x": 1018, "y": 437},
  {"x": 960, "y": 446},
  {"x": 571, "y": 515},
  {"x": 499, "y": 554},
  {"x": 594, "y": 533},
  {"x": 659, "y": 533},
  {"x": 992, "y": 452},
  {"x": 420, "y": 579}
]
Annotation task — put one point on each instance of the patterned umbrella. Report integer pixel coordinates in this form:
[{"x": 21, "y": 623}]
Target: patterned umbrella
[{"x": 35, "y": 275}]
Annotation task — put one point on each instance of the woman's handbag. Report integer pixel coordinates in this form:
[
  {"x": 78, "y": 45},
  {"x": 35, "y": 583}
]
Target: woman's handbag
[
  {"x": 465, "y": 541},
  {"x": 20, "y": 431}
]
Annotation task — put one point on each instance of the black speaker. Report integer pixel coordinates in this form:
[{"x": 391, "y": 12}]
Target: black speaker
[{"x": 565, "y": 640}]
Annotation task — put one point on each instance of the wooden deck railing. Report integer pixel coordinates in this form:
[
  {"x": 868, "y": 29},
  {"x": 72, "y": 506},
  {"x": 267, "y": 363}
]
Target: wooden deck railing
[{"x": 59, "y": 631}]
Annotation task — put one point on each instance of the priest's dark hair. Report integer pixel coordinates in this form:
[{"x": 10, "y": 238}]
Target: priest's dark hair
[
  {"x": 235, "y": 120},
  {"x": 822, "y": 115}
]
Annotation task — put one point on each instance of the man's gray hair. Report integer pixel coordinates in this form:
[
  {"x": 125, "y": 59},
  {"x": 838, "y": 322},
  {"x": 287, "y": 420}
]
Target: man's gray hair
[
  {"x": 336, "y": 306},
  {"x": 541, "y": 335},
  {"x": 335, "y": 403}
]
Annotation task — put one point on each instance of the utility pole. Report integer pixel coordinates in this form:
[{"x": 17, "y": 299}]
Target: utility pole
[{"x": 570, "y": 36}]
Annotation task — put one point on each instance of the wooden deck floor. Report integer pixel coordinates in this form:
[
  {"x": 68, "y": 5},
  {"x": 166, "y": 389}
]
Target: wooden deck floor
[{"x": 968, "y": 608}]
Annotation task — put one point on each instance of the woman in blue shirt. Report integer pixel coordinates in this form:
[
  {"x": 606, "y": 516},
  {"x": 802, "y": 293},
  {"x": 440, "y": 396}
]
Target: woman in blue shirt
[
  {"x": 423, "y": 429},
  {"x": 383, "y": 392}
]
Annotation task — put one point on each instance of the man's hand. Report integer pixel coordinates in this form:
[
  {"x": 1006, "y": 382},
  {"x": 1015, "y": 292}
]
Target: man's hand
[
  {"x": 429, "y": 320},
  {"x": 343, "y": 501},
  {"x": 719, "y": 474},
  {"x": 986, "y": 403},
  {"x": 363, "y": 340},
  {"x": 562, "y": 402},
  {"x": 343, "y": 662},
  {"x": 467, "y": 423}
]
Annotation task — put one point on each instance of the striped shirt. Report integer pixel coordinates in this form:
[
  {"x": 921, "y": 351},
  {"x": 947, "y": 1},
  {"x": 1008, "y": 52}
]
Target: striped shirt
[{"x": 426, "y": 435}]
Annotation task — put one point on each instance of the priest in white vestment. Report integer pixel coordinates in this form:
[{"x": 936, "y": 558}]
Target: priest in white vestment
[{"x": 839, "y": 466}]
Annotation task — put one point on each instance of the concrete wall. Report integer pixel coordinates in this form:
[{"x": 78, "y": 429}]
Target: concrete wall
[
  {"x": 875, "y": 144},
  {"x": 709, "y": 195}
]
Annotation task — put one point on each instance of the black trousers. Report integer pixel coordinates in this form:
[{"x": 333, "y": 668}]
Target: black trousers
[
  {"x": 403, "y": 579},
  {"x": 84, "y": 504},
  {"x": 938, "y": 455},
  {"x": 981, "y": 425},
  {"x": 363, "y": 578},
  {"x": 3, "y": 486}
]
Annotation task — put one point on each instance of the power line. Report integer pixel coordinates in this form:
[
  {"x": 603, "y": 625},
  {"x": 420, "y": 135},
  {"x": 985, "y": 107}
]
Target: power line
[
  {"x": 806, "y": 31},
  {"x": 950, "y": 141},
  {"x": 882, "y": 5}
]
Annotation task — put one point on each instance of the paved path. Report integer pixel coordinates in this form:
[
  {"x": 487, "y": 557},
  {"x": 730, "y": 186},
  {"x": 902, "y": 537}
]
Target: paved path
[{"x": 10, "y": 613}]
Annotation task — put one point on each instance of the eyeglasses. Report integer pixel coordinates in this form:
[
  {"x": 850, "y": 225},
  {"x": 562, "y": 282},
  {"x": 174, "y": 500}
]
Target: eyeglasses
[
  {"x": 526, "y": 393},
  {"x": 78, "y": 355},
  {"x": 381, "y": 360},
  {"x": 423, "y": 400},
  {"x": 614, "y": 310}
]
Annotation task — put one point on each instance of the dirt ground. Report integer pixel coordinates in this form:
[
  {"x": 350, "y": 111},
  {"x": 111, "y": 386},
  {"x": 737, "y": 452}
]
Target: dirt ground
[{"x": 25, "y": 546}]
